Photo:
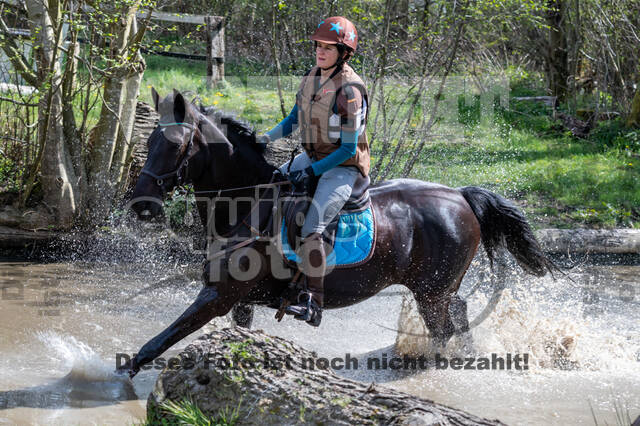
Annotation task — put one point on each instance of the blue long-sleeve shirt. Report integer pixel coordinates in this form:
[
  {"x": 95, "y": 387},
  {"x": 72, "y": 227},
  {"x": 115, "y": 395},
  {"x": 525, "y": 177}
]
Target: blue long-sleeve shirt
[{"x": 346, "y": 150}]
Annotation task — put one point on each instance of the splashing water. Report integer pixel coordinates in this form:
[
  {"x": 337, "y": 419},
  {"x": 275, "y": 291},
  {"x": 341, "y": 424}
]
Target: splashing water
[
  {"x": 553, "y": 323},
  {"x": 76, "y": 358}
]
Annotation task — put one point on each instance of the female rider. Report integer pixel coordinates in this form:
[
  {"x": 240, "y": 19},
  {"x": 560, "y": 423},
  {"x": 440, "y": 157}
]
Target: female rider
[{"x": 330, "y": 111}]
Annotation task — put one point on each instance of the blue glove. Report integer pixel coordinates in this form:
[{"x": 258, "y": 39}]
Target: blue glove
[{"x": 302, "y": 179}]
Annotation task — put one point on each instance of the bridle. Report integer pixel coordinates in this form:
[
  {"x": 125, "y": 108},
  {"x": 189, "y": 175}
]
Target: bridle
[
  {"x": 180, "y": 171},
  {"x": 184, "y": 163}
]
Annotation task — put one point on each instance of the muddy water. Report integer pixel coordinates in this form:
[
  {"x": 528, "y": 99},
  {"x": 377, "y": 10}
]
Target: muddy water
[{"x": 61, "y": 325}]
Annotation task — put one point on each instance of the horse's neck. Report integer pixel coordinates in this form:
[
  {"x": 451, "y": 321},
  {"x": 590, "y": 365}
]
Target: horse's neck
[
  {"x": 225, "y": 210},
  {"x": 239, "y": 214}
]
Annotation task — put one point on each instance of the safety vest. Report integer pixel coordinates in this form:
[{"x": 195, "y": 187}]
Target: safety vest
[{"x": 320, "y": 126}]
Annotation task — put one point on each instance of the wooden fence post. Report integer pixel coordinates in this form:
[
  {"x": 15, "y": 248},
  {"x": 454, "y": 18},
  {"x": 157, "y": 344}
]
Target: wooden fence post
[{"x": 215, "y": 49}]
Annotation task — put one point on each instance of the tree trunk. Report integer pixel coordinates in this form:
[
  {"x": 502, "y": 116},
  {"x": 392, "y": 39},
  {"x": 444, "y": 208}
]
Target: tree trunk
[
  {"x": 274, "y": 53},
  {"x": 633, "y": 119},
  {"x": 271, "y": 381},
  {"x": 105, "y": 136},
  {"x": 58, "y": 180},
  {"x": 72, "y": 137},
  {"x": 557, "y": 56},
  {"x": 292, "y": 52},
  {"x": 125, "y": 142},
  {"x": 634, "y": 115},
  {"x": 121, "y": 172}
]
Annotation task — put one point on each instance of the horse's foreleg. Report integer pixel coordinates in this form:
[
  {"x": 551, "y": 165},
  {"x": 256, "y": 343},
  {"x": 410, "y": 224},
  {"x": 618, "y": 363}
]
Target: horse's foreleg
[{"x": 208, "y": 304}]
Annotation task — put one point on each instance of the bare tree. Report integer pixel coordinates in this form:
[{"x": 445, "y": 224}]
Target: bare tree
[{"x": 80, "y": 177}]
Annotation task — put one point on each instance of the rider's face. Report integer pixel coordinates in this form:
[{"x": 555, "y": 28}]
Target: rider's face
[{"x": 326, "y": 55}]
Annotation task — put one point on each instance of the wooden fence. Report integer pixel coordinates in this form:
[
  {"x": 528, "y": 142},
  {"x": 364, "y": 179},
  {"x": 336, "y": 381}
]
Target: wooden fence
[{"x": 214, "y": 27}]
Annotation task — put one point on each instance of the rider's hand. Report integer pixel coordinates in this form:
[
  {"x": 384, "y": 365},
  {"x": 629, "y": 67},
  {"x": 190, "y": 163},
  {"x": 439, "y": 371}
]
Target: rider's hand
[
  {"x": 301, "y": 179},
  {"x": 263, "y": 140},
  {"x": 278, "y": 176}
]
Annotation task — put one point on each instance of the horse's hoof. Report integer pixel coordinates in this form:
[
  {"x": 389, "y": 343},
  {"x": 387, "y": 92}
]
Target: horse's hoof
[
  {"x": 124, "y": 373},
  {"x": 129, "y": 369}
]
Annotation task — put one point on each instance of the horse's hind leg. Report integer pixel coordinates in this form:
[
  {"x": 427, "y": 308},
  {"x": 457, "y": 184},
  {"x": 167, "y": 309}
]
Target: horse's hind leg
[
  {"x": 435, "y": 312},
  {"x": 458, "y": 310},
  {"x": 242, "y": 315}
]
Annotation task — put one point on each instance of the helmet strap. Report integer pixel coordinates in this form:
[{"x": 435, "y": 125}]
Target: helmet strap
[
  {"x": 337, "y": 65},
  {"x": 339, "y": 62}
]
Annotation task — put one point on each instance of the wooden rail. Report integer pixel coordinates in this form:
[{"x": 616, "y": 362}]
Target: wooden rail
[
  {"x": 181, "y": 18},
  {"x": 214, "y": 27}
]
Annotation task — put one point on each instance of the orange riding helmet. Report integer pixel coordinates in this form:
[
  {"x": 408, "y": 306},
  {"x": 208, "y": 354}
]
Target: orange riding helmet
[{"x": 337, "y": 30}]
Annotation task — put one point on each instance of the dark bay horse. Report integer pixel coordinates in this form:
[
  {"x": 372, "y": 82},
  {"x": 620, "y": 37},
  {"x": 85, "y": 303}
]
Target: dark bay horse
[{"x": 427, "y": 234}]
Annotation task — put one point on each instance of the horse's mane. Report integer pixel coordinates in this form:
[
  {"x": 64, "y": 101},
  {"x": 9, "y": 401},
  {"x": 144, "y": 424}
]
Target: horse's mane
[
  {"x": 240, "y": 127},
  {"x": 245, "y": 141}
]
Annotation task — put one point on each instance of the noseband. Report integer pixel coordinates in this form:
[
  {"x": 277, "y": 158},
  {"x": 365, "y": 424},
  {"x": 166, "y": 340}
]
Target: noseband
[{"x": 179, "y": 172}]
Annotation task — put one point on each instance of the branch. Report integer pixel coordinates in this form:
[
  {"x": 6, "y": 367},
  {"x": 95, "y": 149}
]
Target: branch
[
  {"x": 13, "y": 101},
  {"x": 137, "y": 39},
  {"x": 16, "y": 57},
  {"x": 84, "y": 61},
  {"x": 413, "y": 159}
]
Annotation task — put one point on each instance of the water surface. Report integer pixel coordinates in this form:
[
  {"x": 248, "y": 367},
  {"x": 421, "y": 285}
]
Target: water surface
[{"x": 62, "y": 324}]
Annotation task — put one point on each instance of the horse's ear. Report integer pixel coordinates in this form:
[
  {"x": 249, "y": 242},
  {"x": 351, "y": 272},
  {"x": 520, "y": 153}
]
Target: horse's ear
[
  {"x": 179, "y": 107},
  {"x": 155, "y": 97}
]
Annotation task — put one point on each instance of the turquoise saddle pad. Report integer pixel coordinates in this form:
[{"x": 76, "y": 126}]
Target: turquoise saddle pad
[{"x": 354, "y": 240}]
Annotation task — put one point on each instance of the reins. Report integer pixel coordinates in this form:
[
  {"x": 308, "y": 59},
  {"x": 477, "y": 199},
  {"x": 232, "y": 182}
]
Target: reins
[
  {"x": 256, "y": 233},
  {"x": 217, "y": 192}
]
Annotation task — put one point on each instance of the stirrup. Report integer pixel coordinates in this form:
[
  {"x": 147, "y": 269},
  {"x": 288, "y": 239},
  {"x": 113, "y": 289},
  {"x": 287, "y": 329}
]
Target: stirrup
[
  {"x": 307, "y": 311},
  {"x": 302, "y": 310}
]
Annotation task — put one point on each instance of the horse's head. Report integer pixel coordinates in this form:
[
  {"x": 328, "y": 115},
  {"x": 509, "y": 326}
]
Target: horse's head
[{"x": 178, "y": 149}]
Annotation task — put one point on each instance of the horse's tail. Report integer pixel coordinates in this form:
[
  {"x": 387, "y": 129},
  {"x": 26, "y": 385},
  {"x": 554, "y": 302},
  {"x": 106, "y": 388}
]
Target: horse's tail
[{"x": 502, "y": 224}]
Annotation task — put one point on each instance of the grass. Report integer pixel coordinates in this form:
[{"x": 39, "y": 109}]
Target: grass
[
  {"x": 254, "y": 98},
  {"x": 521, "y": 153},
  {"x": 186, "y": 412},
  {"x": 561, "y": 181}
]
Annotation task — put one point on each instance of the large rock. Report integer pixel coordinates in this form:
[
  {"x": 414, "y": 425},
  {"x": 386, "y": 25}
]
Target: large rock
[{"x": 269, "y": 381}]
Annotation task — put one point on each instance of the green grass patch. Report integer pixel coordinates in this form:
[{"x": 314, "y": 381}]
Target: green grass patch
[
  {"x": 522, "y": 153},
  {"x": 561, "y": 181},
  {"x": 186, "y": 412},
  {"x": 252, "y": 98}
]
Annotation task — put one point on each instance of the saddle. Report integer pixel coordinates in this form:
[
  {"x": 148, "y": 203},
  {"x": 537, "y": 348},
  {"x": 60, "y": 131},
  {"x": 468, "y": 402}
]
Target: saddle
[
  {"x": 297, "y": 204},
  {"x": 355, "y": 219}
]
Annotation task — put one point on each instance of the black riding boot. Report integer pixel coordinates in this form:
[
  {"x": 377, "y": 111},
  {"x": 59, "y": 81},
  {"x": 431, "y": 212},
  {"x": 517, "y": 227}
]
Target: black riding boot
[{"x": 314, "y": 265}]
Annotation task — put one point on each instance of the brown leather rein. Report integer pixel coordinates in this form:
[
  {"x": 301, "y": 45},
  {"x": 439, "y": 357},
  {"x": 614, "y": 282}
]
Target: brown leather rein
[{"x": 256, "y": 233}]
